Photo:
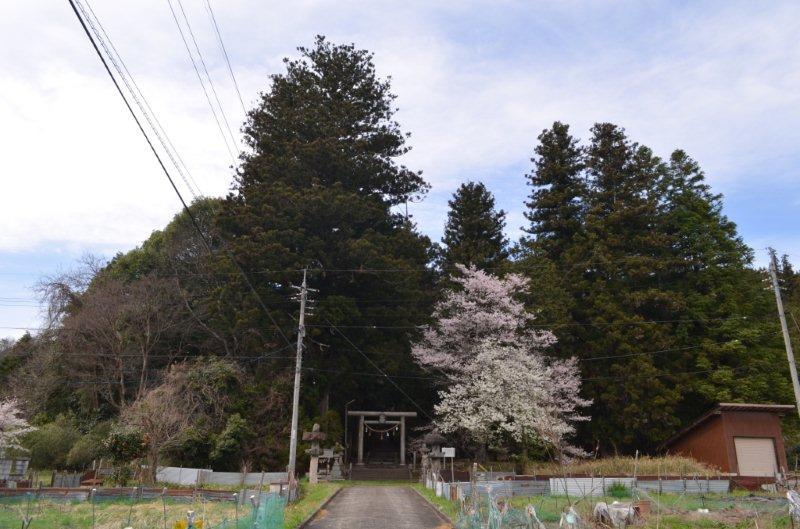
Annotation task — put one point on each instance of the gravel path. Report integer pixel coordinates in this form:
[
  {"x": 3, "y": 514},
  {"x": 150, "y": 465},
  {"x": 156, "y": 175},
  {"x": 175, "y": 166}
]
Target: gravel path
[{"x": 379, "y": 508}]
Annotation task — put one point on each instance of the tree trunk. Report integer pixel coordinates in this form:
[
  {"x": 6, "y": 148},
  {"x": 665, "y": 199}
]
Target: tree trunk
[
  {"x": 480, "y": 455},
  {"x": 152, "y": 466},
  {"x": 325, "y": 402}
]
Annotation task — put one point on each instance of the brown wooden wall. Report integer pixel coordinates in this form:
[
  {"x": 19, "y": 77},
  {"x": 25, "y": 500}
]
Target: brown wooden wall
[{"x": 706, "y": 443}]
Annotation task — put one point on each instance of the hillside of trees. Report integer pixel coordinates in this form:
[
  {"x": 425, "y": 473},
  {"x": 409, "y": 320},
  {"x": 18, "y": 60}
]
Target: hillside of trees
[{"x": 628, "y": 260}]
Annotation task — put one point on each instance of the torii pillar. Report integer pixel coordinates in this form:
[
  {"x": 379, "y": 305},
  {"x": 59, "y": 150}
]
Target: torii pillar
[{"x": 379, "y": 417}]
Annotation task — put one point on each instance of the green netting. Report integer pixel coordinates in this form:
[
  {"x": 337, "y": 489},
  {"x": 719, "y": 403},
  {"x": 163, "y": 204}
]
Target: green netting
[{"x": 78, "y": 510}]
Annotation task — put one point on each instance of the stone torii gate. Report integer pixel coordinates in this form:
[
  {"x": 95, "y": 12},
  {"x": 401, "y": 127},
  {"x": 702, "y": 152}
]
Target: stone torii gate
[{"x": 381, "y": 418}]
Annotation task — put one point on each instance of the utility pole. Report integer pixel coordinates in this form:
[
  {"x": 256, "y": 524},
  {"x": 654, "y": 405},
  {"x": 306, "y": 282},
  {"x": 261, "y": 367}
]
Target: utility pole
[
  {"x": 301, "y": 333},
  {"x": 773, "y": 271}
]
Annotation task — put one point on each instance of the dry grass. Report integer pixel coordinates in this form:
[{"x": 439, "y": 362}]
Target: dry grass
[
  {"x": 625, "y": 466},
  {"x": 48, "y": 514}
]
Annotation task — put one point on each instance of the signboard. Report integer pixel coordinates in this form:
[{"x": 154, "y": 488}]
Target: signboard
[{"x": 448, "y": 452}]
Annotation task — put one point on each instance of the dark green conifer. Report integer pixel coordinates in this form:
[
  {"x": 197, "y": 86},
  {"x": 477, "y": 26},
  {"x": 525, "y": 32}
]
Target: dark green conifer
[
  {"x": 473, "y": 234},
  {"x": 317, "y": 190},
  {"x": 556, "y": 204}
]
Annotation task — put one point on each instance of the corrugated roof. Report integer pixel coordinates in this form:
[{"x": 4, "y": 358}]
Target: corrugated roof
[
  {"x": 767, "y": 408},
  {"x": 728, "y": 406}
]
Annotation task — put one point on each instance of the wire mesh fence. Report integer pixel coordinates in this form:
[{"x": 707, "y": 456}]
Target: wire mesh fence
[
  {"x": 612, "y": 502},
  {"x": 141, "y": 509},
  {"x": 664, "y": 510}
]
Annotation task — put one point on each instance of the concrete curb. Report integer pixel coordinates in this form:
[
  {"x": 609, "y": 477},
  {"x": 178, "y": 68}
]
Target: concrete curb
[
  {"x": 324, "y": 504},
  {"x": 436, "y": 509}
]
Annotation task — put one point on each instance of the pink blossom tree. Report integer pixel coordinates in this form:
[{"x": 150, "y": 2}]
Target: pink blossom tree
[
  {"x": 480, "y": 306},
  {"x": 12, "y": 425},
  {"x": 499, "y": 379}
]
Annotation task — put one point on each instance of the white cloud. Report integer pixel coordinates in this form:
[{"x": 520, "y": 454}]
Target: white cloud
[{"x": 717, "y": 79}]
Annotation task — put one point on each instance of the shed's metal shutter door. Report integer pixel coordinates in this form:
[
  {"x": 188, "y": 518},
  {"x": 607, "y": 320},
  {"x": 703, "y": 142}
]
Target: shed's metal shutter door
[{"x": 756, "y": 456}]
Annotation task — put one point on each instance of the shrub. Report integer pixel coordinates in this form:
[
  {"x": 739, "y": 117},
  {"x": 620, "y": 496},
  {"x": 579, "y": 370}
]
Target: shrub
[
  {"x": 124, "y": 445},
  {"x": 618, "y": 490},
  {"x": 230, "y": 443},
  {"x": 86, "y": 449},
  {"x": 50, "y": 445}
]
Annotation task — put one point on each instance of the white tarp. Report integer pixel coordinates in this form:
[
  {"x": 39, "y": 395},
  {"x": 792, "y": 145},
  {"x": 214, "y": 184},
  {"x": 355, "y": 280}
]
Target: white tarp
[{"x": 197, "y": 476}]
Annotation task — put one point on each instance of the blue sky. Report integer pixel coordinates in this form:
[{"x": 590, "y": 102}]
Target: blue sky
[{"x": 477, "y": 82}]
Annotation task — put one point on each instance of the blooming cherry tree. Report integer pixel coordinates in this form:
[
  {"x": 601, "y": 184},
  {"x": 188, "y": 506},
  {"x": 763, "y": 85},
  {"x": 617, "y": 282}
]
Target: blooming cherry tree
[
  {"x": 12, "y": 425},
  {"x": 479, "y": 307},
  {"x": 500, "y": 381}
]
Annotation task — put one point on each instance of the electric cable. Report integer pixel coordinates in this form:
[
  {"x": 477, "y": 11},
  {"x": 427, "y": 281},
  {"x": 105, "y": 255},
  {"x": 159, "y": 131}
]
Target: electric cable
[
  {"x": 138, "y": 96},
  {"x": 225, "y": 53},
  {"x": 191, "y": 216},
  {"x": 202, "y": 84},
  {"x": 208, "y": 75}
]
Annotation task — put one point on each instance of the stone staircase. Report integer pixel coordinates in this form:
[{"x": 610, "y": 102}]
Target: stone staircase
[{"x": 380, "y": 473}]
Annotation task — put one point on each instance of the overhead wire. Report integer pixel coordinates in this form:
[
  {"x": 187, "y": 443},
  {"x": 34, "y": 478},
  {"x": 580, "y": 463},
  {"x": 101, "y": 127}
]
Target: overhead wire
[
  {"x": 191, "y": 216},
  {"x": 225, "y": 53},
  {"x": 202, "y": 84},
  {"x": 381, "y": 371},
  {"x": 363, "y": 270},
  {"x": 581, "y": 360},
  {"x": 543, "y": 325},
  {"x": 550, "y": 325},
  {"x": 208, "y": 75},
  {"x": 81, "y": 381},
  {"x": 139, "y": 98}
]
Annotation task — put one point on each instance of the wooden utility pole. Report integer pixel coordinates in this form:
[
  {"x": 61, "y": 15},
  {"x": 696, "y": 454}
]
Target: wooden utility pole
[
  {"x": 301, "y": 333},
  {"x": 773, "y": 272}
]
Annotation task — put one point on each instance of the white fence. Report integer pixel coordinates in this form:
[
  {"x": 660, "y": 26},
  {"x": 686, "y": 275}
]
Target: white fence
[
  {"x": 688, "y": 486},
  {"x": 198, "y": 476},
  {"x": 586, "y": 486},
  {"x": 576, "y": 487},
  {"x": 13, "y": 468}
]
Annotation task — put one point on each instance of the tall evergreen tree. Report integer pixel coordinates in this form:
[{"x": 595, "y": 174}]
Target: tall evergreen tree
[
  {"x": 658, "y": 296},
  {"x": 788, "y": 278},
  {"x": 725, "y": 309},
  {"x": 317, "y": 190},
  {"x": 555, "y": 211},
  {"x": 473, "y": 234},
  {"x": 555, "y": 206},
  {"x": 619, "y": 256}
]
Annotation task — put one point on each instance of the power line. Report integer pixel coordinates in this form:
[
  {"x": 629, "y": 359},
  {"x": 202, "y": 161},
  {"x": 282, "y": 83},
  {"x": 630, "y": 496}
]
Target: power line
[
  {"x": 225, "y": 53},
  {"x": 171, "y": 181},
  {"x": 543, "y": 325},
  {"x": 670, "y": 350},
  {"x": 582, "y": 360},
  {"x": 381, "y": 371},
  {"x": 202, "y": 84},
  {"x": 547, "y": 325},
  {"x": 362, "y": 270},
  {"x": 138, "y": 96},
  {"x": 205, "y": 69},
  {"x": 660, "y": 375},
  {"x": 442, "y": 379}
]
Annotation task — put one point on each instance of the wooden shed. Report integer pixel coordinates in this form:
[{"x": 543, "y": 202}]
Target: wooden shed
[{"x": 742, "y": 439}]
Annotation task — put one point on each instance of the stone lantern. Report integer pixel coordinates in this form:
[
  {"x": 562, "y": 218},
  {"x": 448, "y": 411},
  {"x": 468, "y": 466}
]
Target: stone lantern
[{"x": 315, "y": 436}]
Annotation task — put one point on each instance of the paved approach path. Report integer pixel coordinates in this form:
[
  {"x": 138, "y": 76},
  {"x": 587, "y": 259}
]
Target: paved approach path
[{"x": 379, "y": 507}]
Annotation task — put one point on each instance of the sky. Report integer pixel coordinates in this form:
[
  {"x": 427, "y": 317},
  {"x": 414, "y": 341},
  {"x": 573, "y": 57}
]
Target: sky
[{"x": 476, "y": 83}]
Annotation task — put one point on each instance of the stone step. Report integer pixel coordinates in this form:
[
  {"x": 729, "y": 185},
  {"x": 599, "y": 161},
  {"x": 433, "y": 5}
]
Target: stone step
[{"x": 380, "y": 473}]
